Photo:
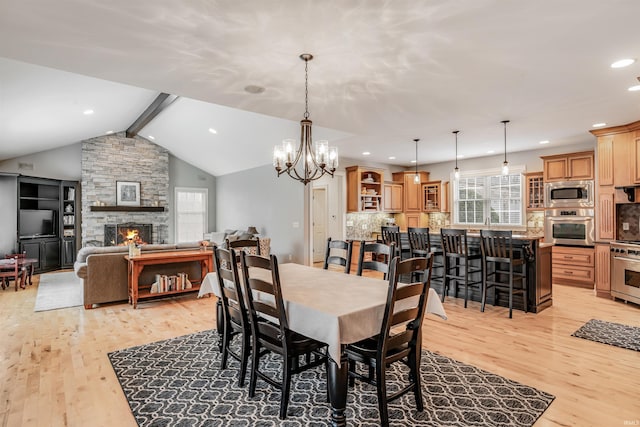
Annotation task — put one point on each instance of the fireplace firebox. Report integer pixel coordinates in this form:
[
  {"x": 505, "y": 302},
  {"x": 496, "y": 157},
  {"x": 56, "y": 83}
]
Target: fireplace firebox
[{"x": 122, "y": 234}]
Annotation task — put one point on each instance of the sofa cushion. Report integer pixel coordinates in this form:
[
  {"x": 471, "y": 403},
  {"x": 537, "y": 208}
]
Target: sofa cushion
[{"x": 90, "y": 250}]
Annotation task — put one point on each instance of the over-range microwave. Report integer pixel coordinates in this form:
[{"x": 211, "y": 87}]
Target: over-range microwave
[{"x": 569, "y": 194}]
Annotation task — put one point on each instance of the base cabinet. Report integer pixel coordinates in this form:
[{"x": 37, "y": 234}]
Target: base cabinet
[
  {"x": 573, "y": 266},
  {"x": 603, "y": 270},
  {"x": 46, "y": 251}
]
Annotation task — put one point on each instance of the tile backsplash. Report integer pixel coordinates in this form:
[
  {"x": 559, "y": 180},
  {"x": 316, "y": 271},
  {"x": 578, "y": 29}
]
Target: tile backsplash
[
  {"x": 360, "y": 226},
  {"x": 629, "y": 214}
]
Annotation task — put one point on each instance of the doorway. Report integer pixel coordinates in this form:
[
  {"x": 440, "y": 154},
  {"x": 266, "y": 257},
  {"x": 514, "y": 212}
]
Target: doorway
[{"x": 320, "y": 213}]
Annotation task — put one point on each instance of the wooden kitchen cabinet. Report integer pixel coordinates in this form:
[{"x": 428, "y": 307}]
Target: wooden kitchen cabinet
[
  {"x": 535, "y": 191},
  {"x": 603, "y": 269},
  {"x": 435, "y": 196},
  {"x": 364, "y": 189},
  {"x": 636, "y": 158},
  {"x": 567, "y": 167},
  {"x": 392, "y": 197},
  {"x": 573, "y": 266},
  {"x": 412, "y": 195}
]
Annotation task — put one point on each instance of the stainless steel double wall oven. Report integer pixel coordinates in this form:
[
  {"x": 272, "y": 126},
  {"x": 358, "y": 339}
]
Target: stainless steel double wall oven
[{"x": 569, "y": 217}]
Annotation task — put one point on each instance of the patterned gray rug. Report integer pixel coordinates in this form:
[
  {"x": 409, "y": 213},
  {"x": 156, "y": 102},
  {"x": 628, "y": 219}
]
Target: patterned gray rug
[
  {"x": 177, "y": 382},
  {"x": 610, "y": 333}
]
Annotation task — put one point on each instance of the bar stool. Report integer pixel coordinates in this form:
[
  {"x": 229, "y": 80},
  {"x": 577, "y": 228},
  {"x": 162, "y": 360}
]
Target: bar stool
[
  {"x": 457, "y": 262},
  {"x": 497, "y": 250},
  {"x": 420, "y": 246}
]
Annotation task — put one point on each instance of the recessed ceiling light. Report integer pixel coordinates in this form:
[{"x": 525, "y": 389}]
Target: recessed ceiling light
[
  {"x": 634, "y": 88},
  {"x": 544, "y": 142},
  {"x": 254, "y": 89},
  {"x": 460, "y": 156},
  {"x": 392, "y": 158},
  {"x": 87, "y": 112},
  {"x": 213, "y": 131},
  {"x": 109, "y": 132},
  {"x": 152, "y": 137},
  {"x": 623, "y": 63},
  {"x": 598, "y": 125},
  {"x": 366, "y": 153},
  {"x": 413, "y": 161},
  {"x": 491, "y": 151}
]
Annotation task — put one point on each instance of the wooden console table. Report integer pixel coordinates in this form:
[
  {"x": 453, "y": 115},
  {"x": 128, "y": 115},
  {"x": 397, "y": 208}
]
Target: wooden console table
[{"x": 138, "y": 262}]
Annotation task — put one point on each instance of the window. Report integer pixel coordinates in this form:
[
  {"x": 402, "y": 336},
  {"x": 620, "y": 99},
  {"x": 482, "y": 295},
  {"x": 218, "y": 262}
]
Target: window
[
  {"x": 483, "y": 195},
  {"x": 191, "y": 214}
]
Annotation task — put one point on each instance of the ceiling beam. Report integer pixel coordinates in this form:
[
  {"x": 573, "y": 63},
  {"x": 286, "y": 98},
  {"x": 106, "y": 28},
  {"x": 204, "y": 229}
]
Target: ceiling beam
[{"x": 161, "y": 102}]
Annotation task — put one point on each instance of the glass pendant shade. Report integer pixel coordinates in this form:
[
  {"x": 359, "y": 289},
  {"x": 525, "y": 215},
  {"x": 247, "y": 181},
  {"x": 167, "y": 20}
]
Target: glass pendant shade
[{"x": 456, "y": 171}]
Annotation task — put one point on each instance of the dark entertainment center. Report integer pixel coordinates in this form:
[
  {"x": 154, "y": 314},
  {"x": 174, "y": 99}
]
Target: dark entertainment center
[{"x": 48, "y": 222}]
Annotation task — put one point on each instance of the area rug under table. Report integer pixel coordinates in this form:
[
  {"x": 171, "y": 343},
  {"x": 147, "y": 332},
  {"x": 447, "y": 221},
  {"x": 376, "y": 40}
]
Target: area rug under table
[
  {"x": 615, "y": 334},
  {"x": 178, "y": 382},
  {"x": 58, "y": 290}
]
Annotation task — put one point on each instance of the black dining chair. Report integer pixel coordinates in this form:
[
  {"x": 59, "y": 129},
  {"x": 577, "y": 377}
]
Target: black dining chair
[
  {"x": 393, "y": 235},
  {"x": 369, "y": 257},
  {"x": 234, "y": 312},
  {"x": 338, "y": 252},
  {"x": 12, "y": 271},
  {"x": 270, "y": 331},
  {"x": 459, "y": 262},
  {"x": 245, "y": 245},
  {"x": 420, "y": 244},
  {"x": 497, "y": 251},
  {"x": 404, "y": 313}
]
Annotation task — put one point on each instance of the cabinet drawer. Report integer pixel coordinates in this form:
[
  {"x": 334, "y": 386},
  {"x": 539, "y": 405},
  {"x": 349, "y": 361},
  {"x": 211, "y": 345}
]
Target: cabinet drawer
[
  {"x": 573, "y": 273},
  {"x": 573, "y": 256},
  {"x": 573, "y": 259}
]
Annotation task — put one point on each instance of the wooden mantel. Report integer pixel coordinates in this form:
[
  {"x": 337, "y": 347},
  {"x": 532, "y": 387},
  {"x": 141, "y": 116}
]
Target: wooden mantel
[{"x": 127, "y": 208}]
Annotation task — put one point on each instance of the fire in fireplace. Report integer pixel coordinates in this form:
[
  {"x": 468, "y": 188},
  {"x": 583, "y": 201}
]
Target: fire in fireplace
[{"x": 123, "y": 234}]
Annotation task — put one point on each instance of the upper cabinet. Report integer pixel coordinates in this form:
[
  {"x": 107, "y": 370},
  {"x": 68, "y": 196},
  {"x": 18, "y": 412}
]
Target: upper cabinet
[
  {"x": 567, "y": 167},
  {"x": 412, "y": 191},
  {"x": 393, "y": 197},
  {"x": 435, "y": 196},
  {"x": 535, "y": 191},
  {"x": 364, "y": 189}
]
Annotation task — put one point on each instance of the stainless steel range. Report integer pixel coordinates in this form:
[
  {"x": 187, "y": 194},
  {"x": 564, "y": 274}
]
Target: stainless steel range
[{"x": 625, "y": 270}]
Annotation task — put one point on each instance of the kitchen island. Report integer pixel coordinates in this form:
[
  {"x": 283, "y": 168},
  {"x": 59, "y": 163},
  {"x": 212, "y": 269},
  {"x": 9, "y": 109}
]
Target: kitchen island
[{"x": 538, "y": 273}]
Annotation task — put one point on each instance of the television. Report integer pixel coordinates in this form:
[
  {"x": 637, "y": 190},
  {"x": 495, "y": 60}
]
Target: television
[{"x": 37, "y": 223}]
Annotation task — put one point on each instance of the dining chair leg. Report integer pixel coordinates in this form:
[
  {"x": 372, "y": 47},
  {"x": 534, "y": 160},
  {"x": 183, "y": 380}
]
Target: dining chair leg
[
  {"x": 226, "y": 333},
  {"x": 414, "y": 365},
  {"x": 286, "y": 384},
  {"x": 351, "y": 368},
  {"x": 511, "y": 295},
  {"x": 255, "y": 351},
  {"x": 244, "y": 359},
  {"x": 381, "y": 386},
  {"x": 484, "y": 288}
]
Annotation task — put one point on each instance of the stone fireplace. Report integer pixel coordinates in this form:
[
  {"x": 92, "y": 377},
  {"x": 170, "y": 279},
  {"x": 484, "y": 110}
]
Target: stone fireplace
[
  {"x": 111, "y": 158},
  {"x": 121, "y": 234}
]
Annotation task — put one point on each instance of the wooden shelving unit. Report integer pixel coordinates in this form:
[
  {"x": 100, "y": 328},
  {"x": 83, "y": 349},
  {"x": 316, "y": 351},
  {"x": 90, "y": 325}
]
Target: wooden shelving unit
[
  {"x": 535, "y": 191},
  {"x": 364, "y": 189}
]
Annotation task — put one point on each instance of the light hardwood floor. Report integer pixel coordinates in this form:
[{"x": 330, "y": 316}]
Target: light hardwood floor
[{"x": 55, "y": 370}]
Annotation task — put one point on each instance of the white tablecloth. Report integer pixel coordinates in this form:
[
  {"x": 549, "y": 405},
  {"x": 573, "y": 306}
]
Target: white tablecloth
[{"x": 332, "y": 307}]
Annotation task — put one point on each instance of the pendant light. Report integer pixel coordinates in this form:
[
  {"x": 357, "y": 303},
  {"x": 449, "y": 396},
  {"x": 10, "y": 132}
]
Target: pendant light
[
  {"x": 505, "y": 164},
  {"x": 416, "y": 179},
  {"x": 456, "y": 171}
]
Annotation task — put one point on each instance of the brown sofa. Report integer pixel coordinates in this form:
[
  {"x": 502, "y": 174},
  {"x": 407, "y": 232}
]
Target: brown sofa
[{"x": 103, "y": 270}]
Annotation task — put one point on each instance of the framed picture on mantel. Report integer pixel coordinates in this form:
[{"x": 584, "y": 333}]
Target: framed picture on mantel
[{"x": 127, "y": 193}]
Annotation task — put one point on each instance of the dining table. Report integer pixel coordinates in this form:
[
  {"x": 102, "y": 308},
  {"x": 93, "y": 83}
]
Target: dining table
[
  {"x": 334, "y": 308},
  {"x": 25, "y": 265}
]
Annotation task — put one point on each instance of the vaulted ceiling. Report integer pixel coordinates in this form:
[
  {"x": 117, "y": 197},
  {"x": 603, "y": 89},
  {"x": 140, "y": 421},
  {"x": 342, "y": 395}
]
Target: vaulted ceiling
[{"x": 384, "y": 72}]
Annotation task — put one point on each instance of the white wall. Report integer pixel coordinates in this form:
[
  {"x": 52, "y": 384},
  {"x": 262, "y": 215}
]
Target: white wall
[
  {"x": 258, "y": 197},
  {"x": 62, "y": 163},
  {"x": 8, "y": 214}
]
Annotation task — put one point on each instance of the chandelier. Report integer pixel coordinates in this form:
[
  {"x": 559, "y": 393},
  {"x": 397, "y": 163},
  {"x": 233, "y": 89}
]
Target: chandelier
[{"x": 307, "y": 163}]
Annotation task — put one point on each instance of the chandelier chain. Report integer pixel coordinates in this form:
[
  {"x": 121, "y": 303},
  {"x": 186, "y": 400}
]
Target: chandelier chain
[{"x": 306, "y": 88}]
